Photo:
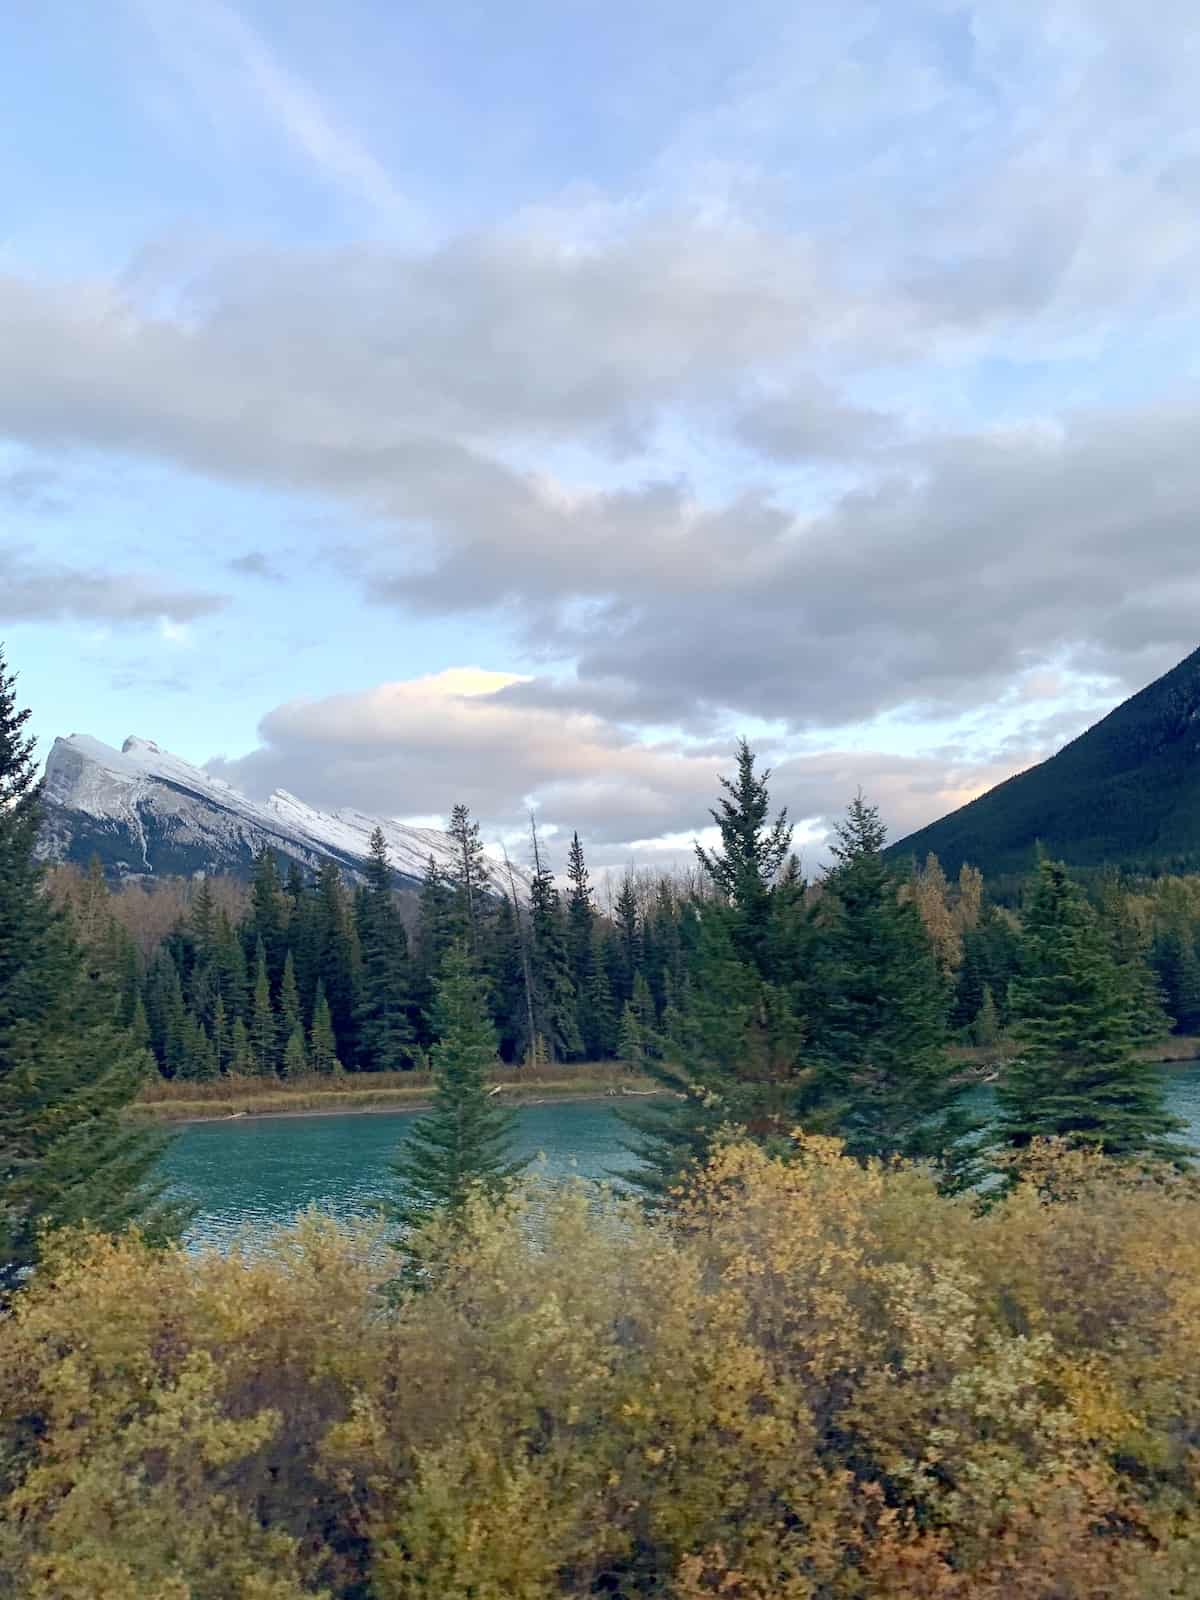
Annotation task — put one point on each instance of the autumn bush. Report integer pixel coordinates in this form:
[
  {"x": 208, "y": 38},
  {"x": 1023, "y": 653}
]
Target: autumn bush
[{"x": 820, "y": 1379}]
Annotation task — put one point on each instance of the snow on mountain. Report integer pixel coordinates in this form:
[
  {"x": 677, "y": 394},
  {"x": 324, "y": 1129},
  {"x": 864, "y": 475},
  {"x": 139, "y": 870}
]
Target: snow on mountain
[{"x": 145, "y": 812}]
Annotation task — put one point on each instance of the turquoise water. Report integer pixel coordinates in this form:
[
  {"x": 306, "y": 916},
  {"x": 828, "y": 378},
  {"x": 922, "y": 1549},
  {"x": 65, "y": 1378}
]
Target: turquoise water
[{"x": 248, "y": 1176}]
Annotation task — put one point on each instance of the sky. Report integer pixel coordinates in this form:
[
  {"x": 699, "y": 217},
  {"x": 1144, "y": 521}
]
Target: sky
[{"x": 514, "y": 405}]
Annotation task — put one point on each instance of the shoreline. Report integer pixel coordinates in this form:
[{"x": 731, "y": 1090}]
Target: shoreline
[{"x": 402, "y": 1107}]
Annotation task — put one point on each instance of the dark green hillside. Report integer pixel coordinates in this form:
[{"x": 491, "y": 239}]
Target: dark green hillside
[{"x": 1126, "y": 792}]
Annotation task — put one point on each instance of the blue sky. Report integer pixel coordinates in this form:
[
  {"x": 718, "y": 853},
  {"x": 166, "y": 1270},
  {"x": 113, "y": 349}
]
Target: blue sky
[{"x": 513, "y": 404}]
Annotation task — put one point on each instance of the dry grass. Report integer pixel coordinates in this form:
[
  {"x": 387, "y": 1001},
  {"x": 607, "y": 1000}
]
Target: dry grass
[{"x": 163, "y": 1101}]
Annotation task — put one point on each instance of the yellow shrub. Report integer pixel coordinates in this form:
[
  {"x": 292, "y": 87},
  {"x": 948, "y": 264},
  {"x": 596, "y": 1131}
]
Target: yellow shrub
[{"x": 820, "y": 1381}]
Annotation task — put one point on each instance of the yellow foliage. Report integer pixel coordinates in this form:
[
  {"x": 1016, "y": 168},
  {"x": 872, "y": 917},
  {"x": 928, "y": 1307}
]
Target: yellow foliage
[{"x": 818, "y": 1381}]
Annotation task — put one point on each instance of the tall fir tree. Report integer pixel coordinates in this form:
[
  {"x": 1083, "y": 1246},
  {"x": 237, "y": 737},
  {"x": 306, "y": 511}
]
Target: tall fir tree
[
  {"x": 264, "y": 1033},
  {"x": 435, "y": 934},
  {"x": 385, "y": 1033},
  {"x": 268, "y": 914},
  {"x": 879, "y": 1017},
  {"x": 626, "y": 947},
  {"x": 555, "y": 1006},
  {"x": 1077, "y": 1075},
  {"x": 68, "y": 1069},
  {"x": 468, "y": 877},
  {"x": 505, "y": 971},
  {"x": 339, "y": 959},
  {"x": 597, "y": 1015},
  {"x": 463, "y": 1145},
  {"x": 322, "y": 1049},
  {"x": 733, "y": 1056}
]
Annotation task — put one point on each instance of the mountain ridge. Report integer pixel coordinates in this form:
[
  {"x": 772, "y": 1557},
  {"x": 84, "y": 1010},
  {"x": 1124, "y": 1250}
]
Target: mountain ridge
[
  {"x": 1125, "y": 793},
  {"x": 147, "y": 813}
]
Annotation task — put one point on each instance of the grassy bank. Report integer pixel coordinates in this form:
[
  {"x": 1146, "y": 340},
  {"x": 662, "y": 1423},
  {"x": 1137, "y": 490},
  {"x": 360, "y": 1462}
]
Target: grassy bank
[{"x": 164, "y": 1101}]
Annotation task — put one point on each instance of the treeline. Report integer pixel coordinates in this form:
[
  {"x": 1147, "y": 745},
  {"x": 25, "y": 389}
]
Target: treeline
[{"x": 311, "y": 975}]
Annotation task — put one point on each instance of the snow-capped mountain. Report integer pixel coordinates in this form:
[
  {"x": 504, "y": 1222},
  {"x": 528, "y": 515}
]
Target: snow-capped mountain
[{"x": 145, "y": 813}]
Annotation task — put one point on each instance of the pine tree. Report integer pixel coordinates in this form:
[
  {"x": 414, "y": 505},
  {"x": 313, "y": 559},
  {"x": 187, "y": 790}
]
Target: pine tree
[
  {"x": 879, "y": 1022},
  {"x": 68, "y": 1069},
  {"x": 462, "y": 1145},
  {"x": 468, "y": 876},
  {"x": 626, "y": 949},
  {"x": 1077, "y": 1076},
  {"x": 339, "y": 958},
  {"x": 435, "y": 932},
  {"x": 985, "y": 1030},
  {"x": 323, "y": 1056},
  {"x": 505, "y": 969},
  {"x": 1177, "y": 965},
  {"x": 581, "y": 915},
  {"x": 555, "y": 1005},
  {"x": 295, "y": 1057},
  {"x": 268, "y": 914},
  {"x": 631, "y": 1038},
  {"x": 241, "y": 1063},
  {"x": 264, "y": 1038},
  {"x": 385, "y": 1032},
  {"x": 733, "y": 1056},
  {"x": 753, "y": 851},
  {"x": 598, "y": 1021},
  {"x": 221, "y": 1037},
  {"x": 1130, "y": 944},
  {"x": 229, "y": 961},
  {"x": 289, "y": 999}
]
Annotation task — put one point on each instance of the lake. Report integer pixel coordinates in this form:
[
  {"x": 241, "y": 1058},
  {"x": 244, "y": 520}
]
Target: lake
[{"x": 250, "y": 1175}]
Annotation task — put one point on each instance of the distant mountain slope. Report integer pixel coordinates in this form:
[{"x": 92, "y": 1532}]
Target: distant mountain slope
[
  {"x": 145, "y": 812},
  {"x": 1125, "y": 792}
]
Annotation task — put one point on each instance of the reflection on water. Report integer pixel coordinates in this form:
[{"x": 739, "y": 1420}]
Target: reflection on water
[{"x": 251, "y": 1175}]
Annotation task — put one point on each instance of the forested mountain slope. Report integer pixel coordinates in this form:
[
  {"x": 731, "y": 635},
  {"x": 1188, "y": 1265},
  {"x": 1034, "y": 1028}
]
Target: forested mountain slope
[{"x": 1126, "y": 792}]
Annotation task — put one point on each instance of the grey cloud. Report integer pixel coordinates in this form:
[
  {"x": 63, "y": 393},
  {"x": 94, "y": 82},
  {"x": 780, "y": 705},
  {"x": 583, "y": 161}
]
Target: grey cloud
[
  {"x": 37, "y": 591},
  {"x": 254, "y": 564},
  {"x": 810, "y": 422}
]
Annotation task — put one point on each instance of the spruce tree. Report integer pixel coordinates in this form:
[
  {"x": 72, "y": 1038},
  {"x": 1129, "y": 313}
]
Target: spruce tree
[
  {"x": 241, "y": 1063},
  {"x": 733, "y": 1055},
  {"x": 626, "y": 948},
  {"x": 322, "y": 1055},
  {"x": 468, "y": 876},
  {"x": 753, "y": 851},
  {"x": 339, "y": 959},
  {"x": 555, "y": 1005},
  {"x": 505, "y": 970},
  {"x": 985, "y": 1030},
  {"x": 462, "y": 1146},
  {"x": 68, "y": 1069},
  {"x": 435, "y": 933},
  {"x": 879, "y": 1018},
  {"x": 597, "y": 1016},
  {"x": 264, "y": 1037},
  {"x": 289, "y": 1000},
  {"x": 581, "y": 916},
  {"x": 221, "y": 1037},
  {"x": 295, "y": 1057},
  {"x": 385, "y": 1032},
  {"x": 631, "y": 1039},
  {"x": 1077, "y": 1075}
]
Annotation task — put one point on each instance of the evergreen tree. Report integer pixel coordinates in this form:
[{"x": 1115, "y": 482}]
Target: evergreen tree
[
  {"x": 581, "y": 916},
  {"x": 598, "y": 1022},
  {"x": 435, "y": 933},
  {"x": 1177, "y": 966},
  {"x": 462, "y": 1145},
  {"x": 241, "y": 1060},
  {"x": 229, "y": 962},
  {"x": 469, "y": 876},
  {"x": 68, "y": 1070},
  {"x": 880, "y": 1009},
  {"x": 1077, "y": 1076},
  {"x": 264, "y": 1045},
  {"x": 268, "y": 914},
  {"x": 626, "y": 948},
  {"x": 733, "y": 1056},
  {"x": 1130, "y": 945},
  {"x": 289, "y": 1000},
  {"x": 753, "y": 851},
  {"x": 555, "y": 1006},
  {"x": 505, "y": 970},
  {"x": 339, "y": 959},
  {"x": 384, "y": 1030},
  {"x": 631, "y": 1038},
  {"x": 295, "y": 1057},
  {"x": 323, "y": 1056},
  {"x": 985, "y": 1030},
  {"x": 222, "y": 1037}
]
